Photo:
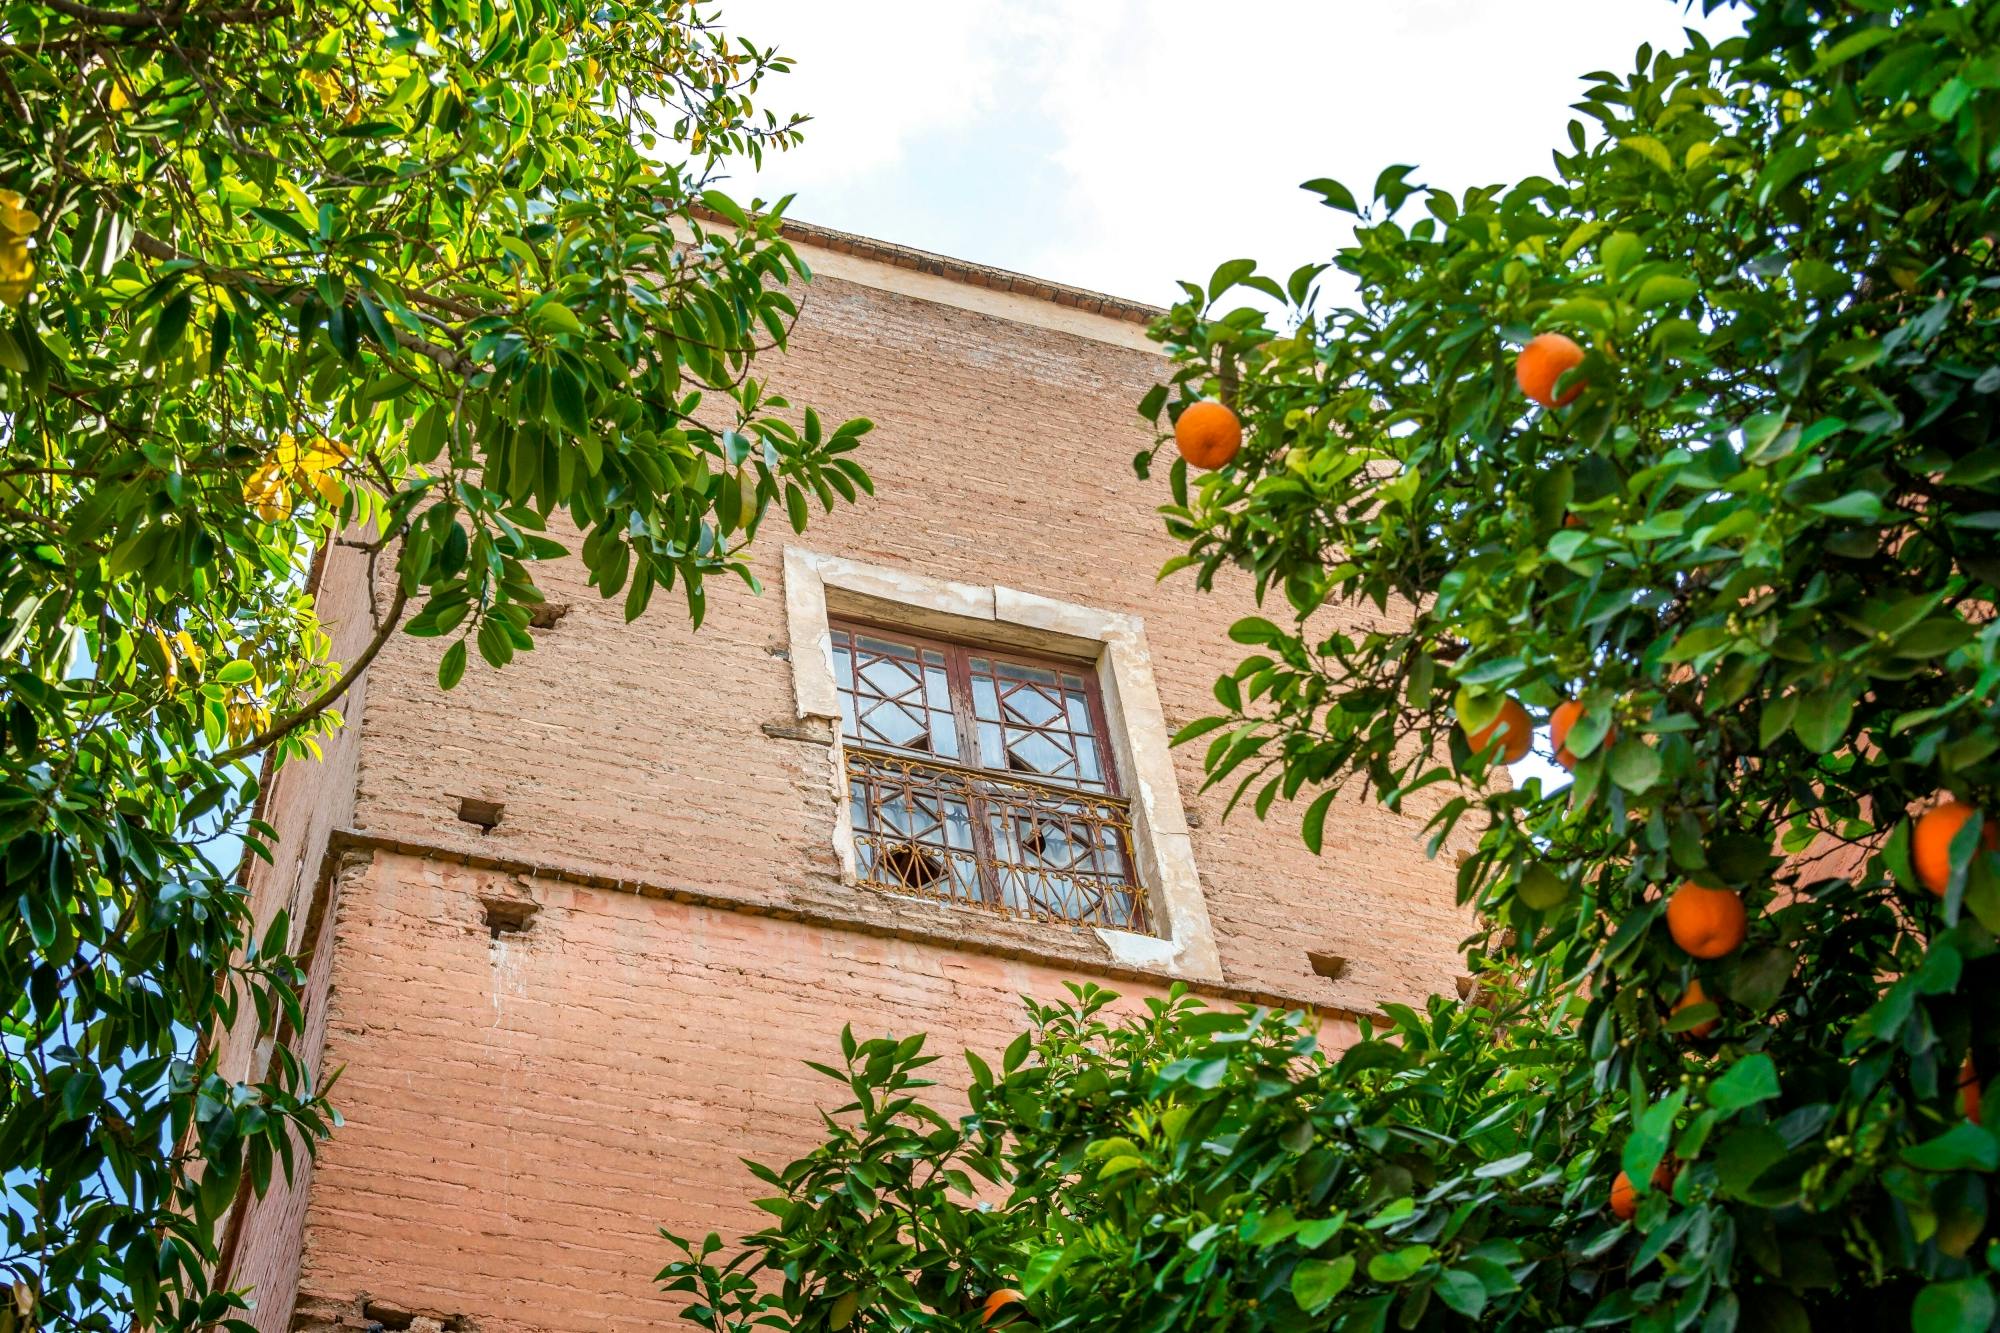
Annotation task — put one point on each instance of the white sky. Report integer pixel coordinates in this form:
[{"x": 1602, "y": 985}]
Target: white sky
[{"x": 1122, "y": 144}]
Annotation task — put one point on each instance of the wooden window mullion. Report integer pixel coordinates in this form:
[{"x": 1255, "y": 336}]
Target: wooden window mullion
[{"x": 958, "y": 672}]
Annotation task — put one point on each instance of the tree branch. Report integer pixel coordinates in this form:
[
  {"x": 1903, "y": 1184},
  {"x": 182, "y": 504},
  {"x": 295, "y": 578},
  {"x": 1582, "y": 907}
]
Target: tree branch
[
  {"x": 163, "y": 18},
  {"x": 155, "y": 248},
  {"x": 331, "y": 694}
]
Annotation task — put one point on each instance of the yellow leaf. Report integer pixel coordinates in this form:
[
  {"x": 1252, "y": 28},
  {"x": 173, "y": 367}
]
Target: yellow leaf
[
  {"x": 1646, "y": 146},
  {"x": 16, "y": 221},
  {"x": 301, "y": 201},
  {"x": 1698, "y": 153},
  {"x": 265, "y": 491}
]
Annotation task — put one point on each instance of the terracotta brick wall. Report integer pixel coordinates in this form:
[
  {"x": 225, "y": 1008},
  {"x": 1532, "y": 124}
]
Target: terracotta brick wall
[{"x": 524, "y": 1113}]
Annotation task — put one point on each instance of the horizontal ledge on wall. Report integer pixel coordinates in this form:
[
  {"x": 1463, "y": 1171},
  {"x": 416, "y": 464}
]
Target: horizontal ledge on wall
[{"x": 349, "y": 841}]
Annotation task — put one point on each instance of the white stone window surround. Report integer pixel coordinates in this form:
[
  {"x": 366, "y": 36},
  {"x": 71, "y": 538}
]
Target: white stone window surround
[{"x": 817, "y": 586}]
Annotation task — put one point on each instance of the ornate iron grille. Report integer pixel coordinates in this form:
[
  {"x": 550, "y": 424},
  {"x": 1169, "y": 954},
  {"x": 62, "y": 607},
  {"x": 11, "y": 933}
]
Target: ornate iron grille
[{"x": 1005, "y": 844}]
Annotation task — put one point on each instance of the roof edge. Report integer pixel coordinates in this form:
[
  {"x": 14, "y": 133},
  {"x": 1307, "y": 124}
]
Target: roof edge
[{"x": 958, "y": 270}]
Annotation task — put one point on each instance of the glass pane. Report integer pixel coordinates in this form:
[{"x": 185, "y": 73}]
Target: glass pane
[
  {"x": 893, "y": 695},
  {"x": 1044, "y": 723},
  {"x": 1028, "y": 705},
  {"x": 944, "y": 736},
  {"x": 1079, "y": 712},
  {"x": 893, "y": 724},
  {"x": 888, "y": 677},
  {"x": 883, "y": 647},
  {"x": 1087, "y": 769},
  {"x": 1039, "y": 753},
  {"x": 1015, "y": 671}
]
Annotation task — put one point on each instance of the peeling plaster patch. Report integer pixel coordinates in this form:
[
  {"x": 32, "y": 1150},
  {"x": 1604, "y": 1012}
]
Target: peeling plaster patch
[{"x": 1138, "y": 950}]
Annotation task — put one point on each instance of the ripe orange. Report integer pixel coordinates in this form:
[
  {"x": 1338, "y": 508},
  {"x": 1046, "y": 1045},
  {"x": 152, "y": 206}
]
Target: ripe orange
[
  {"x": 1561, "y": 720},
  {"x": 998, "y": 1301},
  {"x": 1624, "y": 1198},
  {"x": 1691, "y": 997},
  {"x": 1544, "y": 361},
  {"x": 1968, "y": 1090},
  {"x": 1706, "y": 923},
  {"x": 1625, "y": 1195},
  {"x": 1208, "y": 434},
  {"x": 1517, "y": 739},
  {"x": 1930, "y": 842}
]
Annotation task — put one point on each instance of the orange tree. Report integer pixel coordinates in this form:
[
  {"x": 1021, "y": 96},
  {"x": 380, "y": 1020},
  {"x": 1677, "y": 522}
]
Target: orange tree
[
  {"x": 1742, "y": 541},
  {"x": 1748, "y": 544},
  {"x": 414, "y": 277}
]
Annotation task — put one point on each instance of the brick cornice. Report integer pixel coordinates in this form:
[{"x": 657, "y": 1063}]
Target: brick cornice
[
  {"x": 345, "y": 841},
  {"x": 959, "y": 270}
]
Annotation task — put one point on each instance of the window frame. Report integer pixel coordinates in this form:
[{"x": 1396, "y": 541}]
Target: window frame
[
  {"x": 958, "y": 653},
  {"x": 1179, "y": 942}
]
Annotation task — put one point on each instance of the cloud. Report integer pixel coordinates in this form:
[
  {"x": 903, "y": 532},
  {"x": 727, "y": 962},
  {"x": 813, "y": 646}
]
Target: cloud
[
  {"x": 1121, "y": 144},
  {"x": 873, "y": 77}
]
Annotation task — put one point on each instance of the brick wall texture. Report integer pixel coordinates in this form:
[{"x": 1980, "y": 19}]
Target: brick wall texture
[{"x": 524, "y": 1113}]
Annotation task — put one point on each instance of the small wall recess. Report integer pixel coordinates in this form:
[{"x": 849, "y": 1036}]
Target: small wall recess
[
  {"x": 508, "y": 916},
  {"x": 1329, "y": 965},
  {"x": 477, "y": 810}
]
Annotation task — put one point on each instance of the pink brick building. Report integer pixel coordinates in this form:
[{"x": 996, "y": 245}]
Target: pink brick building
[{"x": 924, "y": 773}]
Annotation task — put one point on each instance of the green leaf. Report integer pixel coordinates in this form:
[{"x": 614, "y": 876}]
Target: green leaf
[
  {"x": 1752, "y": 1079},
  {"x": 172, "y": 323},
  {"x": 1852, "y": 45},
  {"x": 1333, "y": 194},
  {"x": 1506, "y": 1166},
  {"x": 1042, "y": 1269},
  {"x": 1745, "y": 1154},
  {"x": 1635, "y": 766},
  {"x": 1399, "y": 1265},
  {"x": 1313, "y": 828},
  {"x": 1652, "y": 1131},
  {"x": 1664, "y": 289},
  {"x": 1856, "y": 506},
  {"x": 1228, "y": 274},
  {"x": 1463, "y": 1292},
  {"x": 451, "y": 667},
  {"x": 1965, "y": 1146},
  {"x": 732, "y": 212},
  {"x": 1823, "y": 718},
  {"x": 1964, "y": 1306},
  {"x": 1315, "y": 1282}
]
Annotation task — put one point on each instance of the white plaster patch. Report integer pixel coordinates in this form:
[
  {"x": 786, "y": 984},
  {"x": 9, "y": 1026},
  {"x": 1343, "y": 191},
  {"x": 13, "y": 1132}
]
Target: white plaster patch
[{"x": 1138, "y": 950}]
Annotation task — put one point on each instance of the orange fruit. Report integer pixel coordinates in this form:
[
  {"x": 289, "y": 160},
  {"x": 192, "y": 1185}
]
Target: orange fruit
[
  {"x": 1691, "y": 997},
  {"x": 998, "y": 1301},
  {"x": 1706, "y": 923},
  {"x": 1968, "y": 1090},
  {"x": 1544, "y": 361},
  {"x": 1208, "y": 434},
  {"x": 1930, "y": 842},
  {"x": 1625, "y": 1195},
  {"x": 1624, "y": 1198},
  {"x": 1560, "y": 721},
  {"x": 1515, "y": 742}
]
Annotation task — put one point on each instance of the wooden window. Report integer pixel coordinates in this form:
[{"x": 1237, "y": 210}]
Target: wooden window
[{"x": 984, "y": 778}]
